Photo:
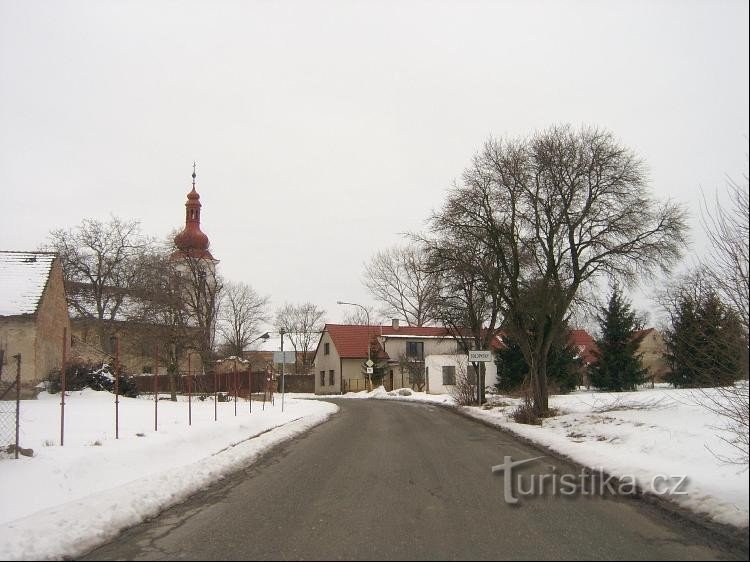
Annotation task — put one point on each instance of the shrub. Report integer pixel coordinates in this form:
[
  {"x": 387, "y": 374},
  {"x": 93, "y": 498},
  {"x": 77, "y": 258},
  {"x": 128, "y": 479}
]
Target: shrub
[{"x": 79, "y": 376}]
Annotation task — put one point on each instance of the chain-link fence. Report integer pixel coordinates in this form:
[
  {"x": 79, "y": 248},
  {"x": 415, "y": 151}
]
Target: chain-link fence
[{"x": 9, "y": 405}]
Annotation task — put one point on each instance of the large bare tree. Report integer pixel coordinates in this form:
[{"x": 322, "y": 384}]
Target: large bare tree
[
  {"x": 557, "y": 211},
  {"x": 243, "y": 312},
  {"x": 398, "y": 278},
  {"x": 302, "y": 323},
  {"x": 470, "y": 286},
  {"x": 98, "y": 260}
]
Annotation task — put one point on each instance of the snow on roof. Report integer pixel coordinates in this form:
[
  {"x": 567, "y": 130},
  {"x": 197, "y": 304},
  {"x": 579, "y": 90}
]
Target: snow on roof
[{"x": 23, "y": 276}]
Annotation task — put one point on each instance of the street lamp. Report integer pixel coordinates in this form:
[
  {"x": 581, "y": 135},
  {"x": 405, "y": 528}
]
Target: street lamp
[
  {"x": 264, "y": 337},
  {"x": 367, "y": 315}
]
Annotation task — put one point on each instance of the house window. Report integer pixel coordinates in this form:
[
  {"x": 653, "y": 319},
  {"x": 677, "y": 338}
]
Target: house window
[
  {"x": 449, "y": 375},
  {"x": 415, "y": 349},
  {"x": 326, "y": 349},
  {"x": 322, "y": 378},
  {"x": 331, "y": 377}
]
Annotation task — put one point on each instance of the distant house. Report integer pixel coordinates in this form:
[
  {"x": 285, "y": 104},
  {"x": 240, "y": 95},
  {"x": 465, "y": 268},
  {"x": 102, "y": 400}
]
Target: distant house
[
  {"x": 652, "y": 349},
  {"x": 342, "y": 351},
  {"x": 582, "y": 341},
  {"x": 34, "y": 318}
]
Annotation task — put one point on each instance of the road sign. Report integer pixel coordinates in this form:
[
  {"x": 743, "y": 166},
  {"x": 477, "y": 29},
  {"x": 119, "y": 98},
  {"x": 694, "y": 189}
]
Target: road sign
[
  {"x": 370, "y": 370},
  {"x": 479, "y": 356},
  {"x": 284, "y": 357},
  {"x": 369, "y": 363}
]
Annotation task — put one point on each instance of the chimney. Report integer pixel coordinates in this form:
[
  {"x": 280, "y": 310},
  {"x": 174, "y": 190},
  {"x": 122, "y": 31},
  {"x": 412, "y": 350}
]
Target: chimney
[{"x": 394, "y": 323}]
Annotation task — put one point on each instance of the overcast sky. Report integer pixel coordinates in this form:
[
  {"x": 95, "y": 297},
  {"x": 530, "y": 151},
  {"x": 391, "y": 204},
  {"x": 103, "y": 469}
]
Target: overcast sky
[{"x": 323, "y": 130}]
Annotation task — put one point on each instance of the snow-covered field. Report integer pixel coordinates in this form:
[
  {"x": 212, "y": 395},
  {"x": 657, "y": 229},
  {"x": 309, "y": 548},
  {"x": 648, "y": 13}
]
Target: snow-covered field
[
  {"x": 66, "y": 500},
  {"x": 641, "y": 434}
]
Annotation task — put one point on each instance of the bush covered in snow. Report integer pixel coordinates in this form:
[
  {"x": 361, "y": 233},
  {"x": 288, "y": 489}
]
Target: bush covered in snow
[{"x": 97, "y": 377}]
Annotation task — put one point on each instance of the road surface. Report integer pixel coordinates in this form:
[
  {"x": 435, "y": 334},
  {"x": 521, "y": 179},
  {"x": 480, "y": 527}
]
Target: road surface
[{"x": 394, "y": 480}]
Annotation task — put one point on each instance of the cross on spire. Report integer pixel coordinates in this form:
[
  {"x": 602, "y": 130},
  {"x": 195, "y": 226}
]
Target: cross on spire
[{"x": 193, "y": 174}]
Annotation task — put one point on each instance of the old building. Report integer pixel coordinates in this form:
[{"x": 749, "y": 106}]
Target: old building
[
  {"x": 652, "y": 350},
  {"x": 34, "y": 318}
]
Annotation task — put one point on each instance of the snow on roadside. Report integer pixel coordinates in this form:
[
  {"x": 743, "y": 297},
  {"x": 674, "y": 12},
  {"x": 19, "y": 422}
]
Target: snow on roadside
[
  {"x": 67, "y": 500},
  {"x": 402, "y": 394},
  {"x": 642, "y": 434}
]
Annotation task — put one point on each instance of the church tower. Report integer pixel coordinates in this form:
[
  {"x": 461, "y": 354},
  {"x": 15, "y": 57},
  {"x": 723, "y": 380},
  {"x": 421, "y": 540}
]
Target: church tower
[{"x": 192, "y": 241}]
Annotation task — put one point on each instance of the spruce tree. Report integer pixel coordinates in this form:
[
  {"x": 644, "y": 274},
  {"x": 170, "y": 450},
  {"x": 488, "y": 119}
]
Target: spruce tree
[
  {"x": 705, "y": 344},
  {"x": 563, "y": 366},
  {"x": 618, "y": 366}
]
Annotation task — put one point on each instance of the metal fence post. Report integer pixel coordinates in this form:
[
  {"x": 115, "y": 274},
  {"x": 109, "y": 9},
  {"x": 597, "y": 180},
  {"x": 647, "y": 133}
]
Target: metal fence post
[
  {"x": 18, "y": 398},
  {"x": 156, "y": 387},
  {"x": 62, "y": 386},
  {"x": 117, "y": 387}
]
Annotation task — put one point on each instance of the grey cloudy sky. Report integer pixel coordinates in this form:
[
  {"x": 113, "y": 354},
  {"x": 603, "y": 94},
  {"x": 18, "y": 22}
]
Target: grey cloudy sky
[{"x": 324, "y": 129}]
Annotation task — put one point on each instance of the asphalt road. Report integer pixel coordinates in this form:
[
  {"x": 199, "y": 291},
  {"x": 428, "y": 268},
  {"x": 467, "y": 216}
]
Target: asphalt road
[{"x": 402, "y": 481}]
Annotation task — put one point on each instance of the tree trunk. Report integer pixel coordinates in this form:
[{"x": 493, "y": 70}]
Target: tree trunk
[{"x": 539, "y": 380}]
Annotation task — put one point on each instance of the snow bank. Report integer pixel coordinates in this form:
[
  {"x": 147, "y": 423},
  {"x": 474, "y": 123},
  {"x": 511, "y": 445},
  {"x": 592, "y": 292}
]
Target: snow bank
[
  {"x": 381, "y": 393},
  {"x": 67, "y": 500}
]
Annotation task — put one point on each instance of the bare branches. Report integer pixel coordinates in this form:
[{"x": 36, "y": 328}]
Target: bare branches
[
  {"x": 728, "y": 231},
  {"x": 398, "y": 279},
  {"x": 361, "y": 317},
  {"x": 242, "y": 313},
  {"x": 732, "y": 405},
  {"x": 98, "y": 260},
  {"x": 303, "y": 324}
]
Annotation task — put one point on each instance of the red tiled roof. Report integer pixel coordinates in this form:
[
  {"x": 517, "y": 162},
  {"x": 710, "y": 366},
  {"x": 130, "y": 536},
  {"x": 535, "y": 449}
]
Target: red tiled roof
[
  {"x": 583, "y": 341},
  {"x": 351, "y": 340}
]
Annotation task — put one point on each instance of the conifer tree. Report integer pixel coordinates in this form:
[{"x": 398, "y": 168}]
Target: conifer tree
[
  {"x": 705, "y": 344},
  {"x": 618, "y": 366},
  {"x": 563, "y": 366}
]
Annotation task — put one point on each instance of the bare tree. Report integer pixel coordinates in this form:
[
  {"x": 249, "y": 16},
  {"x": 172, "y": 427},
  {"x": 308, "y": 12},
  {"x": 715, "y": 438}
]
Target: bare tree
[
  {"x": 358, "y": 317},
  {"x": 242, "y": 313},
  {"x": 201, "y": 289},
  {"x": 159, "y": 321},
  {"x": 557, "y": 211},
  {"x": 175, "y": 307},
  {"x": 98, "y": 261},
  {"x": 302, "y": 323},
  {"x": 398, "y": 279},
  {"x": 728, "y": 262},
  {"x": 469, "y": 293}
]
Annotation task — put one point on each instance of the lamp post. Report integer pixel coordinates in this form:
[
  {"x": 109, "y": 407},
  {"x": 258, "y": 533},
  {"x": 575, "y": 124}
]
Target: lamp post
[
  {"x": 367, "y": 315},
  {"x": 282, "y": 332},
  {"x": 263, "y": 337}
]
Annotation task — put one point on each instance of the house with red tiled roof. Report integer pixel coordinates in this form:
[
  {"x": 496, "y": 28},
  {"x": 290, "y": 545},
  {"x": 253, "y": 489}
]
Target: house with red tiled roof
[
  {"x": 342, "y": 351},
  {"x": 585, "y": 344},
  {"x": 651, "y": 349}
]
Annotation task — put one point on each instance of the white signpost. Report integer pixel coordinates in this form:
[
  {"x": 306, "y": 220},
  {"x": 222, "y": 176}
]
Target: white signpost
[{"x": 479, "y": 356}]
